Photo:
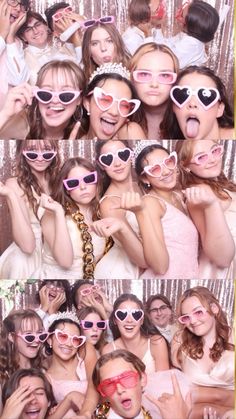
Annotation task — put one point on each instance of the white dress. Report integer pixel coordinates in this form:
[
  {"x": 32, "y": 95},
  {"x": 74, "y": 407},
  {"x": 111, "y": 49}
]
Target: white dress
[
  {"x": 50, "y": 268},
  {"x": 116, "y": 263},
  {"x": 15, "y": 264}
]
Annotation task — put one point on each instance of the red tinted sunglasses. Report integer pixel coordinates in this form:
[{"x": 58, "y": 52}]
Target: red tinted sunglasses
[{"x": 127, "y": 379}]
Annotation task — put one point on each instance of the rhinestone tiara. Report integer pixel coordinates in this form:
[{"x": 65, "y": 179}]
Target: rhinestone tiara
[
  {"x": 62, "y": 316},
  {"x": 140, "y": 145},
  {"x": 111, "y": 68}
]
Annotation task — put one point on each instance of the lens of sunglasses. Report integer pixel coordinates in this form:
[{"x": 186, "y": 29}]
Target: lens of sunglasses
[
  {"x": 31, "y": 156},
  {"x": 202, "y": 158},
  {"x": 124, "y": 155},
  {"x": 106, "y": 160},
  {"x": 121, "y": 315},
  {"x": 137, "y": 314},
  {"x": 44, "y": 96},
  {"x": 106, "y": 19},
  {"x": 184, "y": 319},
  {"x": 66, "y": 97},
  {"x": 101, "y": 324},
  {"x": 142, "y": 76},
  {"x": 89, "y": 178},
  {"x": 207, "y": 96},
  {"x": 128, "y": 379},
  {"x": 170, "y": 162},
  {"x": 180, "y": 95},
  {"x": 89, "y": 23},
  {"x": 29, "y": 338},
  {"x": 62, "y": 337},
  {"x": 87, "y": 324},
  {"x": 104, "y": 101},
  {"x": 72, "y": 183},
  {"x": 77, "y": 341},
  {"x": 126, "y": 107},
  {"x": 217, "y": 151},
  {"x": 155, "y": 170},
  {"x": 166, "y": 77}
]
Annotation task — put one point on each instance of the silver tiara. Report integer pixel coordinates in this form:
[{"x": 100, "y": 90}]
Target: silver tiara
[
  {"x": 140, "y": 145},
  {"x": 111, "y": 68},
  {"x": 62, "y": 316}
]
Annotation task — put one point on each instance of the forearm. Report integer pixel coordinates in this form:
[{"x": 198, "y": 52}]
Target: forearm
[
  {"x": 132, "y": 246},
  {"x": 215, "y": 395},
  {"x": 90, "y": 402},
  {"x": 62, "y": 246},
  {"x": 21, "y": 229},
  {"x": 218, "y": 243}
]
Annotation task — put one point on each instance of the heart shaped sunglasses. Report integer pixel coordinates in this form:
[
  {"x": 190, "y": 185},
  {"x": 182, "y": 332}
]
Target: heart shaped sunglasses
[
  {"x": 122, "y": 314},
  {"x": 206, "y": 96},
  {"x": 123, "y": 154},
  {"x": 155, "y": 170},
  {"x": 202, "y": 158},
  {"x": 63, "y": 338},
  {"x": 104, "y": 101}
]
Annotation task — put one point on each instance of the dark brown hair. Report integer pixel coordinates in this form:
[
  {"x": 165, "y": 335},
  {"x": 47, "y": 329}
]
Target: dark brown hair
[
  {"x": 139, "y": 12},
  {"x": 84, "y": 312},
  {"x": 201, "y": 21}
]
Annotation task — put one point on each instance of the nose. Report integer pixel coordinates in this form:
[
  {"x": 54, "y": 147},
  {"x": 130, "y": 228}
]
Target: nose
[
  {"x": 82, "y": 187},
  {"x": 113, "y": 110},
  {"x": 154, "y": 81},
  {"x": 120, "y": 389},
  {"x": 192, "y": 103},
  {"x": 34, "y": 29},
  {"x": 103, "y": 46}
]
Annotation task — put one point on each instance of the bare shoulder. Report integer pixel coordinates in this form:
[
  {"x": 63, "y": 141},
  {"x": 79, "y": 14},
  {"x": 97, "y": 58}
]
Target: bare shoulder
[
  {"x": 154, "y": 205},
  {"x": 131, "y": 131},
  {"x": 107, "y": 348},
  {"x": 227, "y": 134},
  {"x": 157, "y": 340},
  {"x": 13, "y": 184}
]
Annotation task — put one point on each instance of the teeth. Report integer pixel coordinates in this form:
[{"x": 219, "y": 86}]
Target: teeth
[
  {"x": 57, "y": 108},
  {"x": 108, "y": 121}
]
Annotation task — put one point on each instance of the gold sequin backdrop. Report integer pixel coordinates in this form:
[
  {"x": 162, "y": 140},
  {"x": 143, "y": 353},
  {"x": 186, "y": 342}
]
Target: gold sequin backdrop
[
  {"x": 22, "y": 295},
  {"x": 84, "y": 148},
  {"x": 220, "y": 50}
]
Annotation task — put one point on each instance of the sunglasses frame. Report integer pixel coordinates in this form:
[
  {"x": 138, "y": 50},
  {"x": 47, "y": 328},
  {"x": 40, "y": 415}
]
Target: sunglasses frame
[
  {"x": 117, "y": 380},
  {"x": 82, "y": 323},
  {"x": 35, "y": 335},
  {"x": 146, "y": 169},
  {"x": 36, "y": 90},
  {"x": 69, "y": 337},
  {"x": 114, "y": 155},
  {"x": 194, "y": 92},
  {"x": 24, "y": 152},
  {"x": 192, "y": 315},
  {"x": 81, "y": 178},
  {"x": 210, "y": 153},
  {"x": 129, "y": 311},
  {"x": 97, "y": 95},
  {"x": 92, "y": 289},
  {"x": 62, "y": 13},
  {"x": 86, "y": 25},
  {"x": 154, "y": 75}
]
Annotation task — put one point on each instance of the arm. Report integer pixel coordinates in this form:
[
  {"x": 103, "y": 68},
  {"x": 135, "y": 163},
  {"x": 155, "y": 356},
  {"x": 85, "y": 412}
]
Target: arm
[
  {"x": 18, "y": 98},
  {"x": 175, "y": 344},
  {"x": 159, "y": 351},
  {"x": 16, "y": 403},
  {"x": 205, "y": 210},
  {"x": 54, "y": 228},
  {"x": 213, "y": 395},
  {"x": 21, "y": 228},
  {"x": 91, "y": 396},
  {"x": 130, "y": 242},
  {"x": 73, "y": 400}
]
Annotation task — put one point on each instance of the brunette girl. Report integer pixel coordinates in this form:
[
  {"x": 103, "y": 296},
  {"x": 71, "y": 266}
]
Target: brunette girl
[{"x": 93, "y": 326}]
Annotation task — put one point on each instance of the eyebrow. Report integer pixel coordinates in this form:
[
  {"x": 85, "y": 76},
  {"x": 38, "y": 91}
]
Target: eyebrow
[
  {"x": 195, "y": 308},
  {"x": 103, "y": 39}
]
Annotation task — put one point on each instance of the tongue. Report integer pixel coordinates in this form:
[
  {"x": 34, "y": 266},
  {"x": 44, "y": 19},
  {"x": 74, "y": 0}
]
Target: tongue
[
  {"x": 108, "y": 129},
  {"x": 126, "y": 404},
  {"x": 192, "y": 128}
]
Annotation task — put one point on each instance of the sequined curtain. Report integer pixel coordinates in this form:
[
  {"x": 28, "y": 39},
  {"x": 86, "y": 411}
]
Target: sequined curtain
[
  {"x": 21, "y": 294},
  {"x": 220, "y": 50},
  {"x": 83, "y": 148}
]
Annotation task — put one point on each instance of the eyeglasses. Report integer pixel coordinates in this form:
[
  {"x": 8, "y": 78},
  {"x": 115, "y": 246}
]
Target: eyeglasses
[
  {"x": 160, "y": 309},
  {"x": 34, "y": 27},
  {"x": 105, "y": 101},
  {"x": 90, "y": 290},
  {"x": 55, "y": 287},
  {"x": 122, "y": 314},
  {"x": 63, "y": 338},
  {"x": 123, "y": 154},
  {"x": 180, "y": 12},
  {"x": 155, "y": 170},
  {"x": 206, "y": 96},
  {"x": 127, "y": 379},
  {"x": 31, "y": 337},
  {"x": 46, "y": 96},
  {"x": 202, "y": 158},
  {"x": 73, "y": 183},
  {"x": 100, "y": 324},
  {"x": 15, "y": 3},
  {"x": 34, "y": 155},
  {"x": 106, "y": 19},
  {"x": 198, "y": 314},
  {"x": 160, "y": 11},
  {"x": 146, "y": 76},
  {"x": 58, "y": 15}
]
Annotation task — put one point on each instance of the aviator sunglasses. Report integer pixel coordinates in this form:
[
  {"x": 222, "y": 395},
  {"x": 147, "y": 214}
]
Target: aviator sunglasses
[
  {"x": 155, "y": 170},
  {"x": 146, "y": 76},
  {"x": 136, "y": 313},
  {"x": 73, "y": 183},
  {"x": 34, "y": 155},
  {"x": 127, "y": 379},
  {"x": 206, "y": 96},
  {"x": 123, "y": 154},
  {"x": 104, "y": 101},
  {"x": 63, "y": 338},
  {"x": 198, "y": 314},
  {"x": 100, "y": 324},
  {"x": 34, "y": 337},
  {"x": 65, "y": 97},
  {"x": 202, "y": 158}
]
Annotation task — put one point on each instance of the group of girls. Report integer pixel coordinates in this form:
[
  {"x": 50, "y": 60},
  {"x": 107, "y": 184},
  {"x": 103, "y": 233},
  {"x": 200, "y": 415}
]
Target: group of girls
[
  {"x": 136, "y": 223},
  {"x": 64, "y": 353},
  {"x": 100, "y": 99},
  {"x": 101, "y": 221}
]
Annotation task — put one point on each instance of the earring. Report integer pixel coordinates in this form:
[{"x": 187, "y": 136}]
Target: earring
[
  {"x": 148, "y": 185},
  {"x": 88, "y": 113},
  {"x": 187, "y": 170}
]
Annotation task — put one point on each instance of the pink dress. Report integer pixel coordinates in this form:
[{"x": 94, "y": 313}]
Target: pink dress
[
  {"x": 181, "y": 239},
  {"x": 62, "y": 387}
]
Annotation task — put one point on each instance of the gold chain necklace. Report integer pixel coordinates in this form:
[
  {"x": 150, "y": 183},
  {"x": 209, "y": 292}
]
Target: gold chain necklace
[{"x": 104, "y": 408}]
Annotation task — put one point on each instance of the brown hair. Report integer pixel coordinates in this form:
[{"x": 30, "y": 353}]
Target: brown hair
[
  {"x": 119, "y": 353},
  {"x": 26, "y": 178},
  {"x": 121, "y": 54},
  {"x": 161, "y": 297},
  {"x": 9, "y": 357},
  {"x": 184, "y": 149},
  {"x": 139, "y": 12},
  {"x": 192, "y": 344},
  {"x": 69, "y": 69},
  {"x": 29, "y": 16},
  {"x": 84, "y": 312}
]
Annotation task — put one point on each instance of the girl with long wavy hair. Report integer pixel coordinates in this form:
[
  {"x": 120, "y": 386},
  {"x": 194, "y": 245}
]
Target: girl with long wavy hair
[
  {"x": 70, "y": 210},
  {"x": 211, "y": 200},
  {"x": 37, "y": 164},
  {"x": 204, "y": 349},
  {"x": 22, "y": 336},
  {"x": 132, "y": 330}
]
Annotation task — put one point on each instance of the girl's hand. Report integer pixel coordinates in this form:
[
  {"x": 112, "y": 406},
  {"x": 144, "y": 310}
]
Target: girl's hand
[
  {"x": 228, "y": 415},
  {"x": 201, "y": 195},
  {"x": 74, "y": 131},
  {"x": 14, "y": 27},
  {"x": 5, "y": 190},
  {"x": 56, "y": 303},
  {"x": 17, "y": 99},
  {"x": 210, "y": 413},
  {"x": 5, "y": 12},
  {"x": 108, "y": 307},
  {"x": 16, "y": 403},
  {"x": 131, "y": 201},
  {"x": 48, "y": 203},
  {"x": 107, "y": 226},
  {"x": 44, "y": 298},
  {"x": 76, "y": 400}
]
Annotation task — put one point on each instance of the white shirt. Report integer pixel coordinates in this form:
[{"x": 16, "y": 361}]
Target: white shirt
[{"x": 133, "y": 37}]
